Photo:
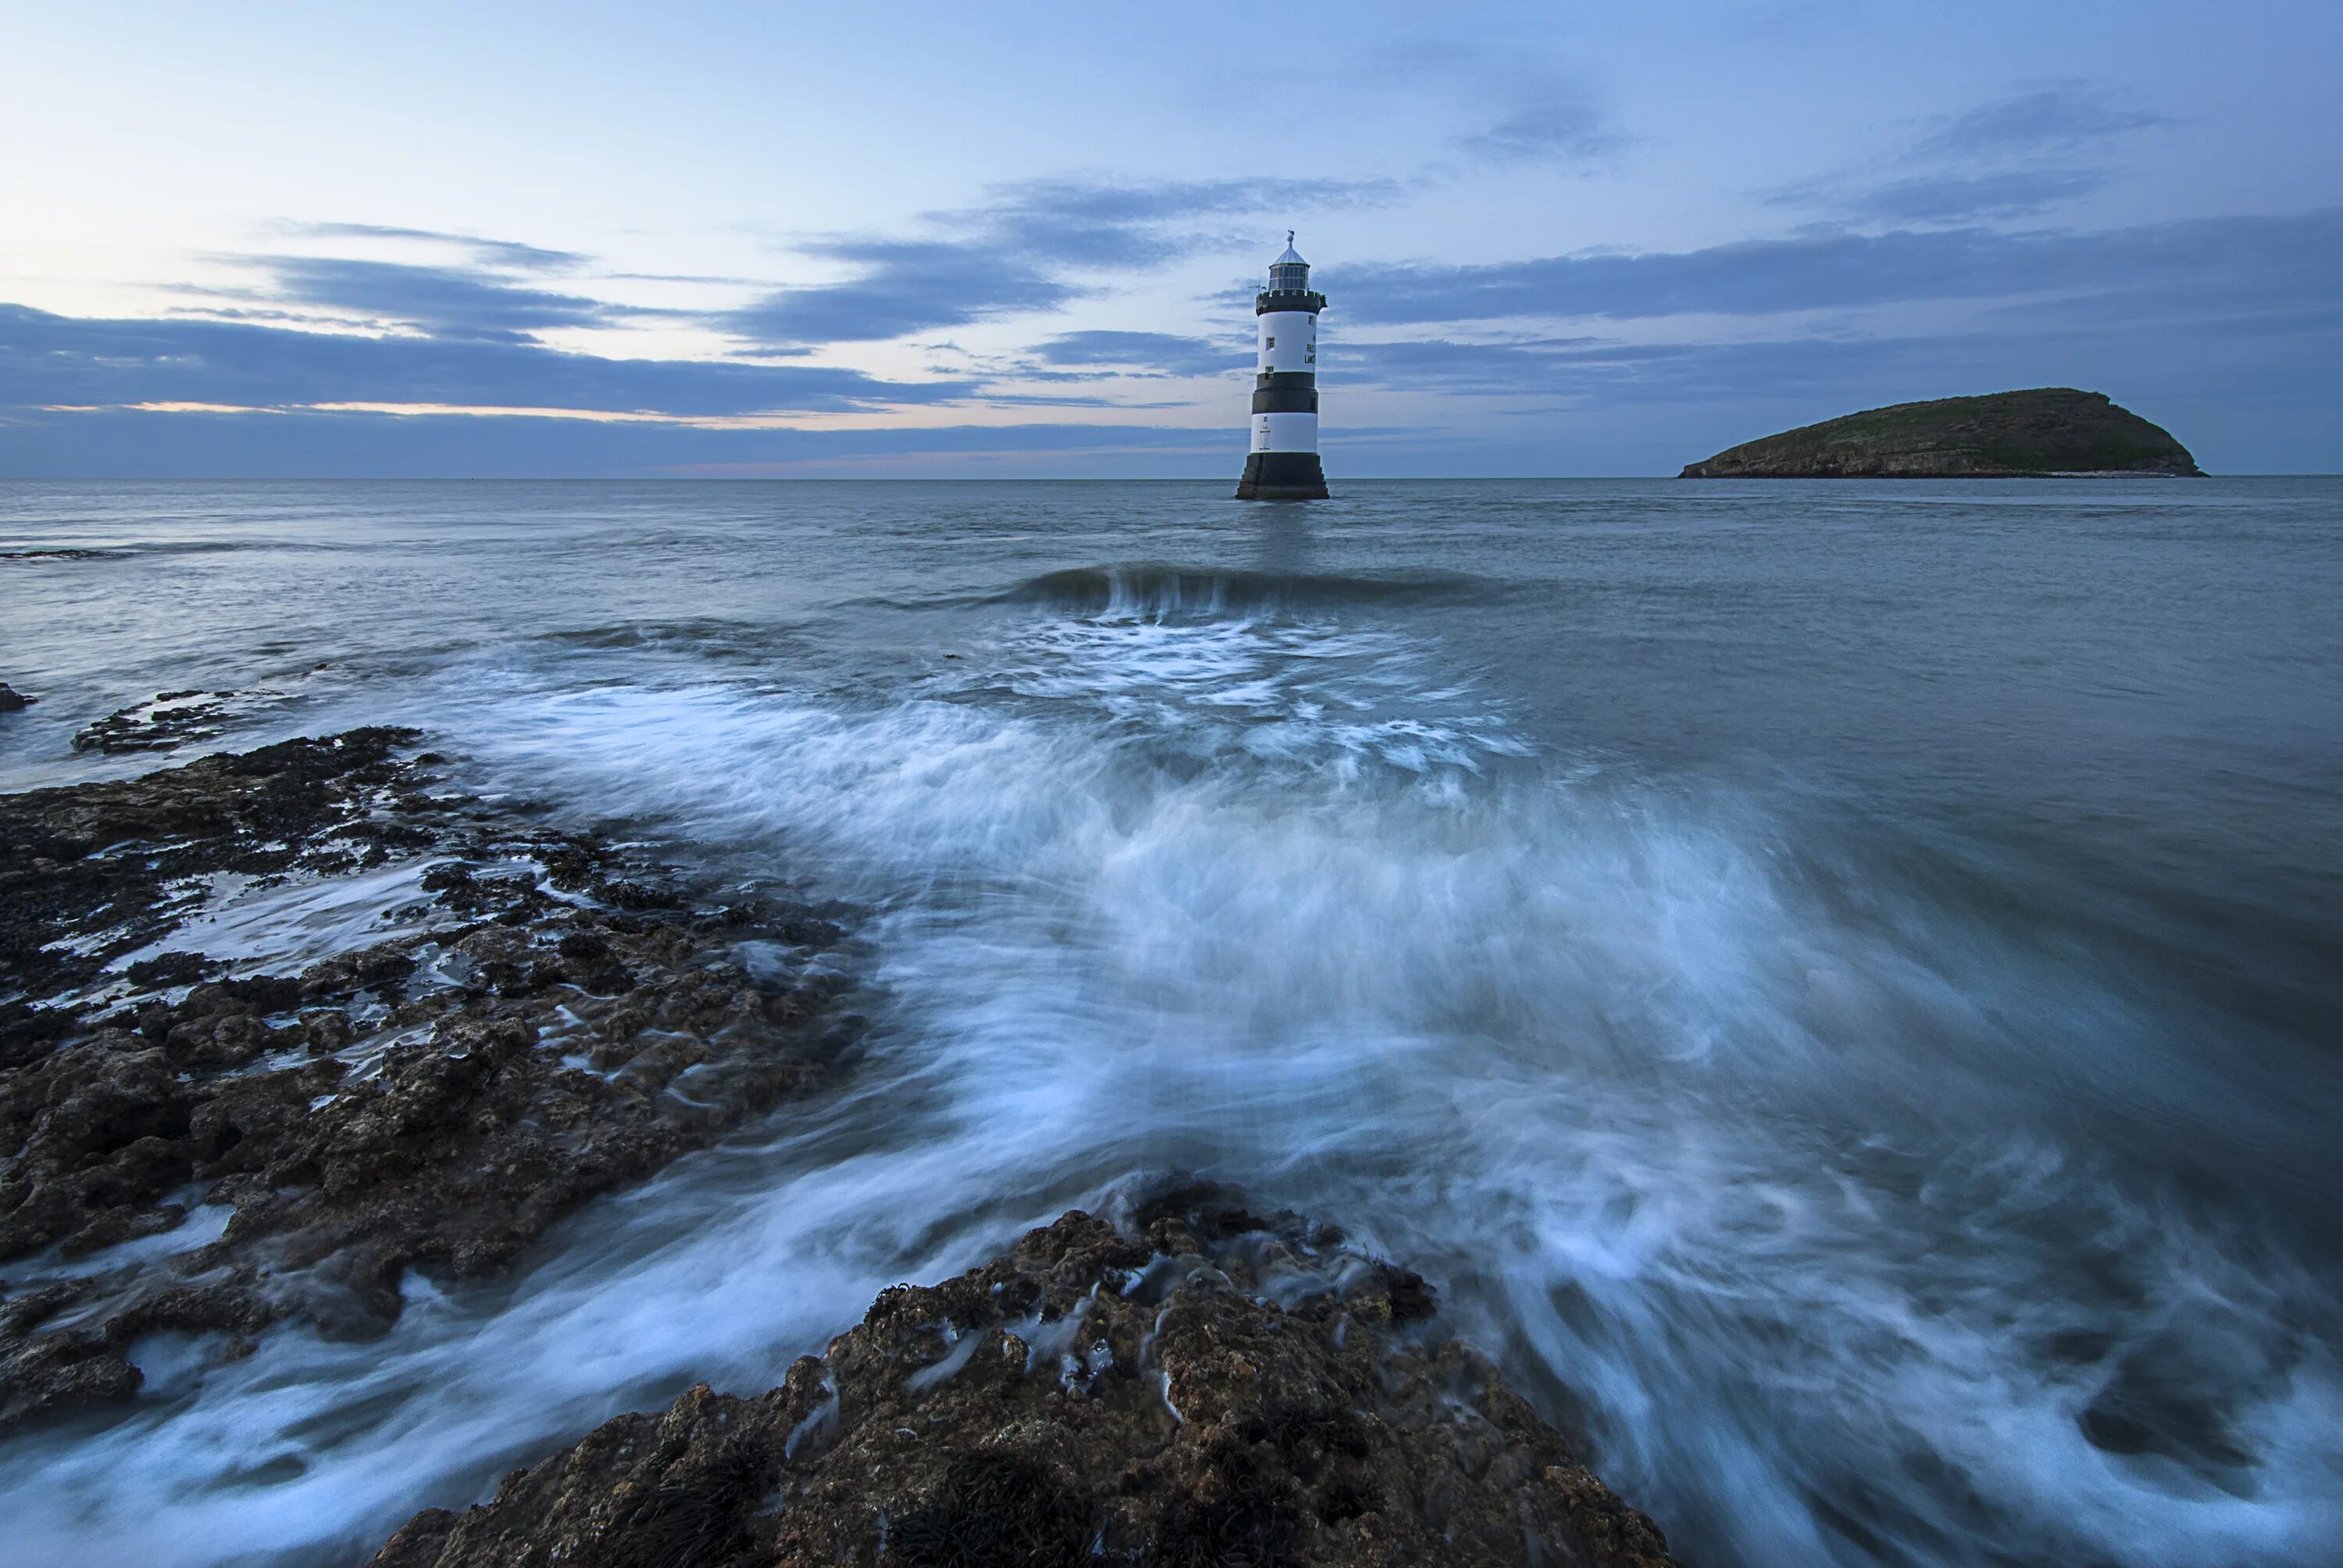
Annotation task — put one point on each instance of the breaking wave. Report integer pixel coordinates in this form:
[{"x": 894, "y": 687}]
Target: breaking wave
[{"x": 1150, "y": 591}]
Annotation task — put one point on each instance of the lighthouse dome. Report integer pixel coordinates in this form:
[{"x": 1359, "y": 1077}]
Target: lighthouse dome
[{"x": 1289, "y": 271}]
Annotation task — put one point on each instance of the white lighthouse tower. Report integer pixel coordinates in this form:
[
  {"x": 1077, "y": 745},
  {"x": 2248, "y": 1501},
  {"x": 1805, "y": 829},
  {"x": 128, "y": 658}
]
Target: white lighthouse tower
[{"x": 1284, "y": 463}]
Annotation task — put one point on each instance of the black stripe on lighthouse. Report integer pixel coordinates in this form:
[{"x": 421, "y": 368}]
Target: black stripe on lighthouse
[
  {"x": 1282, "y": 464},
  {"x": 1283, "y": 476},
  {"x": 1276, "y": 399}
]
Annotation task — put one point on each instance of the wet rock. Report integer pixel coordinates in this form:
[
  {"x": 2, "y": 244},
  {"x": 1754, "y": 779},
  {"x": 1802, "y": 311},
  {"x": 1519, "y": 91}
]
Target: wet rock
[
  {"x": 166, "y": 969},
  {"x": 346, "y": 974},
  {"x": 93, "y": 1128},
  {"x": 172, "y": 719},
  {"x": 90, "y": 873},
  {"x": 11, "y": 700},
  {"x": 56, "y": 1372},
  {"x": 1096, "y": 1394},
  {"x": 367, "y": 1117}
]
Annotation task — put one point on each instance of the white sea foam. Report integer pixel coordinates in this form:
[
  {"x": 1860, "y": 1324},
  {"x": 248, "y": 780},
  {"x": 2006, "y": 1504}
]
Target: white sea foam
[{"x": 285, "y": 926}]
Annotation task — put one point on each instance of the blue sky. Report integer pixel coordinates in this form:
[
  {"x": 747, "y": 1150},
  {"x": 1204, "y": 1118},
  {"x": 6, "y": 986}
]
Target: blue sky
[{"x": 732, "y": 239}]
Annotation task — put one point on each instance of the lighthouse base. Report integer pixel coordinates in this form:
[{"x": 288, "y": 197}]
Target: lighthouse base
[{"x": 1283, "y": 476}]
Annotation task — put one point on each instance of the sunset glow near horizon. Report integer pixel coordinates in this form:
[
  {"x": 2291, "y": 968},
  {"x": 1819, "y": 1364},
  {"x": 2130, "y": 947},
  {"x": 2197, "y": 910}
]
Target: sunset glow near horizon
[{"x": 259, "y": 240}]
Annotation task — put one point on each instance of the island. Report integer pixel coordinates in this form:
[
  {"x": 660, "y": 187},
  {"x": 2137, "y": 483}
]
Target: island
[{"x": 2039, "y": 433}]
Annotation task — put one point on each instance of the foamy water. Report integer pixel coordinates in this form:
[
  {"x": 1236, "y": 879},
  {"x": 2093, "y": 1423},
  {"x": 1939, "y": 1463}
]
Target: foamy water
[{"x": 1860, "y": 1188}]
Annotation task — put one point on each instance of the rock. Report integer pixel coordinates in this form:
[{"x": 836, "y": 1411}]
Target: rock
[
  {"x": 11, "y": 700},
  {"x": 467, "y": 1135},
  {"x": 261, "y": 813},
  {"x": 169, "y": 969},
  {"x": 172, "y": 719},
  {"x": 1098, "y": 1395},
  {"x": 2051, "y": 430}
]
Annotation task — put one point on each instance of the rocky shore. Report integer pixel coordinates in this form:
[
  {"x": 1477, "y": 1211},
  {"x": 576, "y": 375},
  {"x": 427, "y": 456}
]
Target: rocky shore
[
  {"x": 1207, "y": 1387},
  {"x": 555, "y": 1020},
  {"x": 222, "y": 1112}
]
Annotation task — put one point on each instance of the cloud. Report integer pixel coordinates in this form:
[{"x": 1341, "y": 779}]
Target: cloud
[
  {"x": 1557, "y": 131},
  {"x": 1531, "y": 106},
  {"x": 504, "y": 253},
  {"x": 1148, "y": 353},
  {"x": 1578, "y": 370},
  {"x": 130, "y": 443},
  {"x": 2059, "y": 116},
  {"x": 440, "y": 301},
  {"x": 1589, "y": 406},
  {"x": 49, "y": 360},
  {"x": 1093, "y": 224},
  {"x": 904, "y": 286},
  {"x": 1515, "y": 367},
  {"x": 1828, "y": 319},
  {"x": 1953, "y": 198},
  {"x": 2228, "y": 266},
  {"x": 1031, "y": 247},
  {"x": 2015, "y": 156},
  {"x": 2199, "y": 364},
  {"x": 2232, "y": 325}
]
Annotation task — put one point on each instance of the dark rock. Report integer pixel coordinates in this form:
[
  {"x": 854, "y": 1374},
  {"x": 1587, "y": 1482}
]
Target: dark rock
[
  {"x": 172, "y": 719},
  {"x": 166, "y": 969},
  {"x": 348, "y": 973},
  {"x": 466, "y": 1138},
  {"x": 2050, "y": 430},
  {"x": 52, "y": 1372},
  {"x": 90, "y": 1127},
  {"x": 262, "y": 813},
  {"x": 11, "y": 700},
  {"x": 1090, "y": 1396}
]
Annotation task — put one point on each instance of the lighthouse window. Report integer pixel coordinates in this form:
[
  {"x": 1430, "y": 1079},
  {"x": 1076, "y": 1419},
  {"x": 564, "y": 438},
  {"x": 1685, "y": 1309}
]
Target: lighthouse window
[{"x": 1272, "y": 342}]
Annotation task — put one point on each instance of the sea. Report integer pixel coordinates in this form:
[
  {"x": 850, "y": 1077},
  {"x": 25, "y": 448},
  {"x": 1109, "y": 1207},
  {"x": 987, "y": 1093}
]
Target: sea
[{"x": 1839, "y": 986}]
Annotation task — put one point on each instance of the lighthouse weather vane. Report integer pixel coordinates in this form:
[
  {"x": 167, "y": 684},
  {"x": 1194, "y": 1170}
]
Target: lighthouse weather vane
[{"x": 1283, "y": 464}]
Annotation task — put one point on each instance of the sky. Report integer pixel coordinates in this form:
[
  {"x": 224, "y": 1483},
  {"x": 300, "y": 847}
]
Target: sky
[{"x": 734, "y": 240}]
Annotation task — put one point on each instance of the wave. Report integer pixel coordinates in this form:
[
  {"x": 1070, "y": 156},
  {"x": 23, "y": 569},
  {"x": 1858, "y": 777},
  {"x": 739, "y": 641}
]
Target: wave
[
  {"x": 694, "y": 634},
  {"x": 1158, "y": 591},
  {"x": 159, "y": 547},
  {"x": 1760, "y": 1172}
]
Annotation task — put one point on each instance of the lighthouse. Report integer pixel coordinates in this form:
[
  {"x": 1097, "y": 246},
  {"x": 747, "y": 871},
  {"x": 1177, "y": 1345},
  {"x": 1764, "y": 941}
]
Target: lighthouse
[{"x": 1284, "y": 463}]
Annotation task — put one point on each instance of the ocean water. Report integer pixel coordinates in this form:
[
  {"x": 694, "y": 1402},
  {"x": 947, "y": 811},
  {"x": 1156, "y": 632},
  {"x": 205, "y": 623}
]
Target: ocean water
[{"x": 1840, "y": 986}]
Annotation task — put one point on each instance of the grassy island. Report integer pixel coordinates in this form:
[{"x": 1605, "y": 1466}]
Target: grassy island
[{"x": 2049, "y": 431}]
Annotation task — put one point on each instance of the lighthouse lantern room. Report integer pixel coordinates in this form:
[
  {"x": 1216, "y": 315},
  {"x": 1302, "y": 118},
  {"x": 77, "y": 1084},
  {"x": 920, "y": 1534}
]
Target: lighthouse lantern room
[{"x": 1284, "y": 463}]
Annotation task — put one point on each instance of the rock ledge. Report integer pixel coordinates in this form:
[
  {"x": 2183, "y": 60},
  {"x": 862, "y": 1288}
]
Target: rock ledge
[
  {"x": 199, "y": 1146},
  {"x": 1203, "y": 1387}
]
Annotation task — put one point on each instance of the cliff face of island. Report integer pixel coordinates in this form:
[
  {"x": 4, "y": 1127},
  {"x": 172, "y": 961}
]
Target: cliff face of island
[{"x": 2004, "y": 435}]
